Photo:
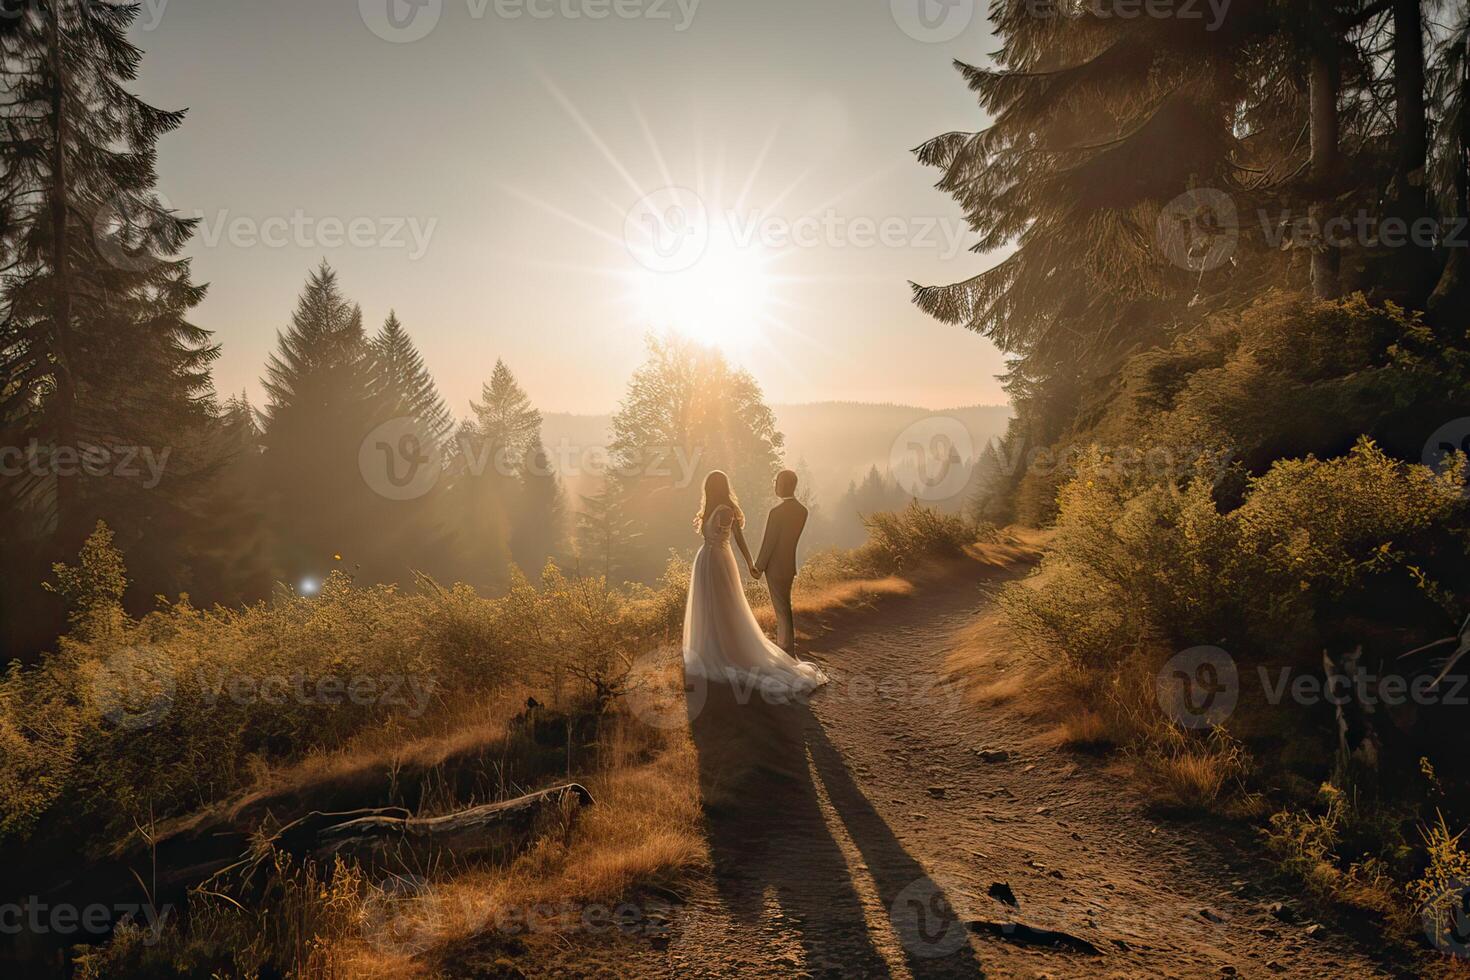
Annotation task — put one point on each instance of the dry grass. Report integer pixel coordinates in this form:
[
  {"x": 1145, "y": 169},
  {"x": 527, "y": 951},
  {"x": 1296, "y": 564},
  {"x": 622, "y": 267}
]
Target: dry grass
[
  {"x": 644, "y": 830},
  {"x": 1195, "y": 776},
  {"x": 1093, "y": 711},
  {"x": 643, "y": 833}
]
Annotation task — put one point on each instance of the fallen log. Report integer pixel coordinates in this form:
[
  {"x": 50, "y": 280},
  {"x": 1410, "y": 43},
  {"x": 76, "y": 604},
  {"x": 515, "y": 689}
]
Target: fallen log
[
  {"x": 380, "y": 838},
  {"x": 235, "y": 858}
]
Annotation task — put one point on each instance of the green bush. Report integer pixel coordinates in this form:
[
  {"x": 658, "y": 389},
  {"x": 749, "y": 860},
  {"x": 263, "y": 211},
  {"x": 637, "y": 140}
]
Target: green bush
[
  {"x": 1164, "y": 565},
  {"x": 897, "y": 542},
  {"x": 130, "y": 720}
]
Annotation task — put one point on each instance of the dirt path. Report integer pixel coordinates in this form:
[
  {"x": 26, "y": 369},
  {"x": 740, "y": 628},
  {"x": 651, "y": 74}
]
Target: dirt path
[{"x": 873, "y": 813}]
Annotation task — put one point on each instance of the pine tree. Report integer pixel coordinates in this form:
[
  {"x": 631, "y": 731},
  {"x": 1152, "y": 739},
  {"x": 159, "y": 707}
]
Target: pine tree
[
  {"x": 538, "y": 530},
  {"x": 1096, "y": 124},
  {"x": 321, "y": 408},
  {"x": 505, "y": 426},
  {"x": 605, "y": 536},
  {"x": 100, "y": 365},
  {"x": 96, "y": 348},
  {"x": 403, "y": 384},
  {"x": 488, "y": 468},
  {"x": 1124, "y": 164}
]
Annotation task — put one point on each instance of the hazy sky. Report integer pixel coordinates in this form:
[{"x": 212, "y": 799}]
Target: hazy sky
[{"x": 494, "y": 180}]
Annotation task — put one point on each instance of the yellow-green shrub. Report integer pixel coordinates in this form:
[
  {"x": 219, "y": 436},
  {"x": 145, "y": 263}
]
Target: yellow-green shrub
[
  {"x": 1131, "y": 565},
  {"x": 131, "y": 720}
]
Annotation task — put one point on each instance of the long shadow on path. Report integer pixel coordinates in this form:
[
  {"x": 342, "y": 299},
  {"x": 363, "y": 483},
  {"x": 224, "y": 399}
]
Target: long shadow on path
[{"x": 778, "y": 869}]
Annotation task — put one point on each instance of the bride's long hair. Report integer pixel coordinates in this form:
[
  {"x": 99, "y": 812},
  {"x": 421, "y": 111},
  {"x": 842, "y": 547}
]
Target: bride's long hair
[{"x": 716, "y": 492}]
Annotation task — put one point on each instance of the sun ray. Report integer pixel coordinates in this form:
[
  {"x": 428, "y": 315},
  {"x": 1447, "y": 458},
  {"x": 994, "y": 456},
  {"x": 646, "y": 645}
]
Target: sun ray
[
  {"x": 755, "y": 168},
  {"x": 552, "y": 209},
  {"x": 658, "y": 157},
  {"x": 570, "y": 108}
]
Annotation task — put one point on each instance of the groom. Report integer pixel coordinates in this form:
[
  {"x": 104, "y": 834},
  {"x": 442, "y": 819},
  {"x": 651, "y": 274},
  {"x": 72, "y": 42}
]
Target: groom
[{"x": 777, "y": 559}]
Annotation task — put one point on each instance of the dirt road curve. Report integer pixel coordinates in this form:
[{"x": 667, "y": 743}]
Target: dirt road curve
[{"x": 874, "y": 814}]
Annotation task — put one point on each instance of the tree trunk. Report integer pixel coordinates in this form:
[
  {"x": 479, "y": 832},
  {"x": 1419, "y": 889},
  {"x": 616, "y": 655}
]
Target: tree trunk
[
  {"x": 1449, "y": 304},
  {"x": 1322, "y": 98},
  {"x": 1408, "y": 80},
  {"x": 65, "y": 398}
]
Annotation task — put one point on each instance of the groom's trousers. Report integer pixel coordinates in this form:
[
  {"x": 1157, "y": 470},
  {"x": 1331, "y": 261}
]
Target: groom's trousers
[{"x": 781, "y": 602}]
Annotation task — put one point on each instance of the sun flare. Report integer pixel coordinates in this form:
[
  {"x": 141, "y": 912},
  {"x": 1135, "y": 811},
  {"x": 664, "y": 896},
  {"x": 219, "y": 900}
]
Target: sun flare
[{"x": 723, "y": 298}]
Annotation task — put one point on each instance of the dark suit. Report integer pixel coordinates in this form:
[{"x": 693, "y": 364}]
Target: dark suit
[{"x": 777, "y": 561}]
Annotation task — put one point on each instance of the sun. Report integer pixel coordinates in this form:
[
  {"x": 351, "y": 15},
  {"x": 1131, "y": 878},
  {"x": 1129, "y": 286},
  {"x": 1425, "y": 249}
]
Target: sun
[{"x": 723, "y": 298}]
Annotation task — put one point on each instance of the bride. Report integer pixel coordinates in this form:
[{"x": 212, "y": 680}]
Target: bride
[{"x": 722, "y": 640}]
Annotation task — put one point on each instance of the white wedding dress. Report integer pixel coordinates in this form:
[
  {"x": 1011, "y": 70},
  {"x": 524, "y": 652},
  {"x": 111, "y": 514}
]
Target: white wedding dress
[{"x": 722, "y": 640}]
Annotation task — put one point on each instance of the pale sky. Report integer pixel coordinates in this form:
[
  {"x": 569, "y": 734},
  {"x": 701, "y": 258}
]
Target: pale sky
[{"x": 485, "y": 179}]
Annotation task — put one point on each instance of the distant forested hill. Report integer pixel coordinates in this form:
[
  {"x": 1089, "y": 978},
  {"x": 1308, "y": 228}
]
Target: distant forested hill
[{"x": 833, "y": 443}]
